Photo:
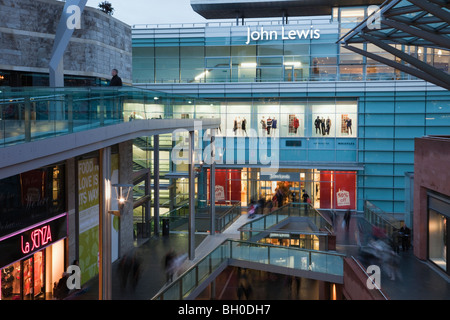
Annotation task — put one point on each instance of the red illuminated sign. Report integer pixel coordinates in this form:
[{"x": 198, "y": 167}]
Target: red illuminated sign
[
  {"x": 38, "y": 237},
  {"x": 26, "y": 242}
]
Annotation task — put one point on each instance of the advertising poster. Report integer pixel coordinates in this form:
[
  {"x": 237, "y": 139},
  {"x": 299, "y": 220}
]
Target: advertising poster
[{"x": 88, "y": 204}]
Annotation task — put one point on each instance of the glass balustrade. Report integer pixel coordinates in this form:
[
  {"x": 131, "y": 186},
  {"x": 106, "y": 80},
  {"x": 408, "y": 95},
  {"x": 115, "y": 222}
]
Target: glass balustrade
[
  {"x": 293, "y": 258},
  {"x": 33, "y": 113}
]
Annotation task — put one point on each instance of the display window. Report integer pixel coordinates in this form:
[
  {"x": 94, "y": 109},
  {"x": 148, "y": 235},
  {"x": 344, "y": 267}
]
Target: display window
[
  {"x": 324, "y": 120},
  {"x": 34, "y": 277},
  {"x": 292, "y": 123},
  {"x": 133, "y": 111},
  {"x": 346, "y": 119},
  {"x": 334, "y": 120},
  {"x": 183, "y": 111},
  {"x": 268, "y": 120},
  {"x": 437, "y": 244},
  {"x": 238, "y": 120},
  {"x": 438, "y": 231}
]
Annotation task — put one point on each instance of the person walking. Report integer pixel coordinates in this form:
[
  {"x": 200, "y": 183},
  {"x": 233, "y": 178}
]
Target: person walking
[
  {"x": 116, "y": 81},
  {"x": 347, "y": 217}
]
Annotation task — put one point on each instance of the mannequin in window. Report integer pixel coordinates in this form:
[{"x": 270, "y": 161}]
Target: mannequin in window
[
  {"x": 235, "y": 126},
  {"x": 317, "y": 124},
  {"x": 349, "y": 125},
  {"x": 322, "y": 124},
  {"x": 269, "y": 125},
  {"x": 328, "y": 125},
  {"x": 274, "y": 125},
  {"x": 296, "y": 124},
  {"x": 244, "y": 126},
  {"x": 239, "y": 126},
  {"x": 263, "y": 126}
]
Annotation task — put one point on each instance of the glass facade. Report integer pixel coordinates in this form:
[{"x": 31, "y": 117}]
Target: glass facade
[
  {"x": 326, "y": 107},
  {"x": 303, "y": 50}
]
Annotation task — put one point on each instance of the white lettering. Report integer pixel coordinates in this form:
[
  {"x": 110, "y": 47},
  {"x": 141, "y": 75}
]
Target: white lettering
[
  {"x": 262, "y": 34},
  {"x": 74, "y": 20},
  {"x": 74, "y": 280}
]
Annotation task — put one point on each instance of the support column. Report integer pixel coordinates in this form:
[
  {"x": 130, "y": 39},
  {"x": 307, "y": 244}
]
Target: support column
[
  {"x": 156, "y": 183},
  {"x": 27, "y": 119},
  {"x": 191, "y": 226},
  {"x": 212, "y": 184},
  {"x": 105, "y": 272}
]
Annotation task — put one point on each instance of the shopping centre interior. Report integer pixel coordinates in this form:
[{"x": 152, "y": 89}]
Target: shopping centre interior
[{"x": 306, "y": 116}]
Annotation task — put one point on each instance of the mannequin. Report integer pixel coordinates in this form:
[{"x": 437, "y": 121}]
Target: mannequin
[{"x": 328, "y": 125}]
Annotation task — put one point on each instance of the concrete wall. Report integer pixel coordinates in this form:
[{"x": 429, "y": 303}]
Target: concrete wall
[
  {"x": 27, "y": 29},
  {"x": 431, "y": 162}
]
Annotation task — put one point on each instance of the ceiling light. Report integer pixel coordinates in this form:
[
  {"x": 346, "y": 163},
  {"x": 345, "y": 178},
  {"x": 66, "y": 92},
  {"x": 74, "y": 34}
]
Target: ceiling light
[{"x": 248, "y": 65}]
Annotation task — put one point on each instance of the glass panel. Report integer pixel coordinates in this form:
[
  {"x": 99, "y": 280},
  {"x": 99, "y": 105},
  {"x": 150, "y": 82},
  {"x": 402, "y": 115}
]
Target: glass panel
[
  {"x": 173, "y": 293},
  {"x": 39, "y": 284},
  {"x": 437, "y": 230},
  {"x": 189, "y": 281},
  {"x": 10, "y": 282}
]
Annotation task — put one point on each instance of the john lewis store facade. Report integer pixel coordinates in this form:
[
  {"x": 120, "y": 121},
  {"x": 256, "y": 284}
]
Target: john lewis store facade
[{"x": 341, "y": 122}]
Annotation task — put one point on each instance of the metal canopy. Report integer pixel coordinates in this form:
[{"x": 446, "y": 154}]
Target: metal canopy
[
  {"x": 227, "y": 9},
  {"x": 398, "y": 23}
]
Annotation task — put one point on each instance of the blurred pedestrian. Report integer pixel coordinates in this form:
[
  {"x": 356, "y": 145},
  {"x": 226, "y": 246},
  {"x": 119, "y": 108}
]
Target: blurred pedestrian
[
  {"x": 124, "y": 270},
  {"x": 347, "y": 218},
  {"x": 169, "y": 265},
  {"x": 405, "y": 233},
  {"x": 396, "y": 240},
  {"x": 136, "y": 269}
]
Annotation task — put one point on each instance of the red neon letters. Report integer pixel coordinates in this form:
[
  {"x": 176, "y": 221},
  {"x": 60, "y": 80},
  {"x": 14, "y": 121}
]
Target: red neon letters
[{"x": 38, "y": 238}]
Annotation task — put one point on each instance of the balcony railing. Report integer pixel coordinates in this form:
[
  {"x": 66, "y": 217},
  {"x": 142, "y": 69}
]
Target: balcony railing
[
  {"x": 229, "y": 250},
  {"x": 35, "y": 113}
]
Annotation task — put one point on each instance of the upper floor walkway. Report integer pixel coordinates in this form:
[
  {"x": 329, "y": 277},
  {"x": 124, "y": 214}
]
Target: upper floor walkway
[{"x": 41, "y": 126}]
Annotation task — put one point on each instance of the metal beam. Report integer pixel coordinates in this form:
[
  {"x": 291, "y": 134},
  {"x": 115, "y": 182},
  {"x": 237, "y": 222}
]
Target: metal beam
[
  {"x": 191, "y": 226},
  {"x": 432, "y": 8},
  {"x": 433, "y": 72},
  {"x": 412, "y": 71},
  {"x": 440, "y": 40},
  {"x": 212, "y": 184},
  {"x": 156, "y": 183}
]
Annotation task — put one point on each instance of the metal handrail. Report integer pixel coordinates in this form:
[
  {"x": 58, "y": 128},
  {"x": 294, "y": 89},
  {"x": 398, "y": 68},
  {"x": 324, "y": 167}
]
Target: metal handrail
[{"x": 368, "y": 277}]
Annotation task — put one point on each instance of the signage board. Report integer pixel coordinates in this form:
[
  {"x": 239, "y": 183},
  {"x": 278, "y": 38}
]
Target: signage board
[
  {"x": 25, "y": 242},
  {"x": 261, "y": 34}
]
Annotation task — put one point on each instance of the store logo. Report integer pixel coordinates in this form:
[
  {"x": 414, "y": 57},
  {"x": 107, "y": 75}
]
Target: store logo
[
  {"x": 265, "y": 35},
  {"x": 374, "y": 280},
  {"x": 38, "y": 238},
  {"x": 280, "y": 177}
]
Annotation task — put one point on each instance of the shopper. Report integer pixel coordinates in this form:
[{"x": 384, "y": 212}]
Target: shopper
[
  {"x": 169, "y": 265},
  {"x": 347, "y": 217}
]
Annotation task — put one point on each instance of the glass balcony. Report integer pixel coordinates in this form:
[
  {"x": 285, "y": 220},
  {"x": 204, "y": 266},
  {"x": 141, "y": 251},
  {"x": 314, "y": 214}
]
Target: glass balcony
[
  {"x": 299, "y": 259},
  {"x": 33, "y": 113}
]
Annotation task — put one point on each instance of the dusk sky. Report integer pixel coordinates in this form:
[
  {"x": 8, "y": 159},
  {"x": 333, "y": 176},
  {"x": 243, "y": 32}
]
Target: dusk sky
[{"x": 152, "y": 11}]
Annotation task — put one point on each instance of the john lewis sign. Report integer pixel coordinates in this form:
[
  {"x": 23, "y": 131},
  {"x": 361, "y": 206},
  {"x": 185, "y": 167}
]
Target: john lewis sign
[{"x": 283, "y": 34}]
